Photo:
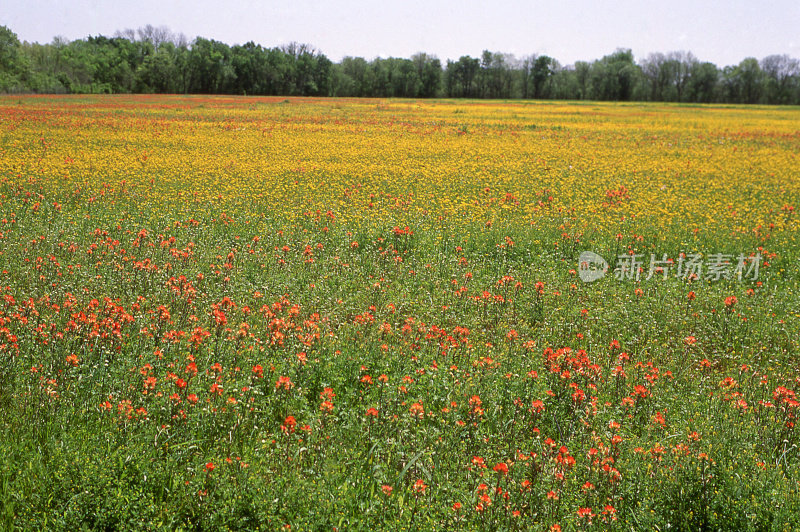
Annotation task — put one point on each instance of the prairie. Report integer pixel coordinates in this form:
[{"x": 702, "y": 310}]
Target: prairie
[{"x": 255, "y": 313}]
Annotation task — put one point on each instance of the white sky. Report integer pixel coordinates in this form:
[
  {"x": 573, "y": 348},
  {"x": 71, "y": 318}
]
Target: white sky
[{"x": 723, "y": 32}]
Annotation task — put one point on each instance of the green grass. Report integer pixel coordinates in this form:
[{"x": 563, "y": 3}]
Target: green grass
[
  {"x": 68, "y": 462},
  {"x": 209, "y": 365}
]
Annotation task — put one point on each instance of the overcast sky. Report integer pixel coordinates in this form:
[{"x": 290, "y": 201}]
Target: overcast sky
[{"x": 723, "y": 32}]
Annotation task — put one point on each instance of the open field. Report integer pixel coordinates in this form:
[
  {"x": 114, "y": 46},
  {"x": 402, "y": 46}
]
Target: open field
[{"x": 346, "y": 314}]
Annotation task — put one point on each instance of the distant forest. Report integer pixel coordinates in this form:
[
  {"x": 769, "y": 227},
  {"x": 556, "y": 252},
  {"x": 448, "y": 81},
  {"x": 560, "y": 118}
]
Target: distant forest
[{"x": 156, "y": 60}]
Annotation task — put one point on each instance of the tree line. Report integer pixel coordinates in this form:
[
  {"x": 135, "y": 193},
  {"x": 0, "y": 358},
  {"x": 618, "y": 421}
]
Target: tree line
[{"x": 156, "y": 60}]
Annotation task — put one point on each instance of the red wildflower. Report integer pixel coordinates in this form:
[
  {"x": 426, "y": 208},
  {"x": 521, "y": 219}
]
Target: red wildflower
[{"x": 284, "y": 383}]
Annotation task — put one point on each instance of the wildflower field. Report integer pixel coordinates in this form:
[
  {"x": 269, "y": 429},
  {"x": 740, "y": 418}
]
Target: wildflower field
[{"x": 328, "y": 314}]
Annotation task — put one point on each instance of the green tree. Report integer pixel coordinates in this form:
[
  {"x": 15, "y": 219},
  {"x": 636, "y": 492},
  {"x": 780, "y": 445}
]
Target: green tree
[
  {"x": 429, "y": 72},
  {"x": 681, "y": 64},
  {"x": 353, "y": 77},
  {"x": 541, "y": 75},
  {"x": 781, "y": 79},
  {"x": 583, "y": 73},
  {"x": 461, "y": 77},
  {"x": 13, "y": 64},
  {"x": 210, "y": 69},
  {"x": 308, "y": 72},
  {"x": 494, "y": 77},
  {"x": 657, "y": 72},
  {"x": 702, "y": 84},
  {"x": 159, "y": 72},
  {"x": 45, "y": 66},
  {"x": 154, "y": 59},
  {"x": 743, "y": 83},
  {"x": 251, "y": 68},
  {"x": 614, "y": 77},
  {"x": 565, "y": 84}
]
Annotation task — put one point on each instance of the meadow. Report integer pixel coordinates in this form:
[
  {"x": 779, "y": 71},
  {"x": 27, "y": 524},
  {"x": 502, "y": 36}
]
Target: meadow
[{"x": 344, "y": 314}]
